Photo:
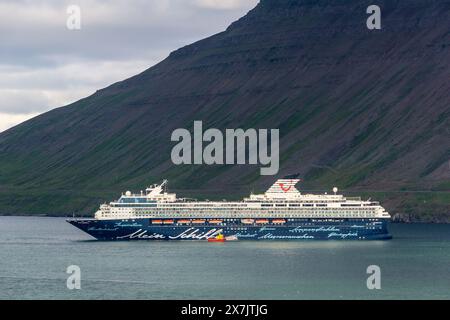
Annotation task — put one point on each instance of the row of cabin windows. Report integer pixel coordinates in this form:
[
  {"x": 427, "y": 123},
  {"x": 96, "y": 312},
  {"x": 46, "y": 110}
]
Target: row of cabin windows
[
  {"x": 305, "y": 209},
  {"x": 243, "y": 216},
  {"x": 218, "y": 206},
  {"x": 325, "y": 214}
]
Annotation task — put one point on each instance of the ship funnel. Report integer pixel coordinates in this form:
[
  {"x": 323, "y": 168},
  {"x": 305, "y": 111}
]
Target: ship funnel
[{"x": 283, "y": 187}]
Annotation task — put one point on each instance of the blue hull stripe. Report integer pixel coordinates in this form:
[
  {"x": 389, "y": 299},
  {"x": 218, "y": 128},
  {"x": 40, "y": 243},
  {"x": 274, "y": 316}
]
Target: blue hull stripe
[{"x": 293, "y": 229}]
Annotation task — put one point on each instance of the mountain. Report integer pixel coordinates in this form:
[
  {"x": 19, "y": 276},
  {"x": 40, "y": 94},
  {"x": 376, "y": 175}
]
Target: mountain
[{"x": 364, "y": 110}]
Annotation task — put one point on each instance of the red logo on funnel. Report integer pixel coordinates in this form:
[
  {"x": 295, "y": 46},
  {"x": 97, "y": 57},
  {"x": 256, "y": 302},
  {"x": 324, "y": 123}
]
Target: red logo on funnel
[{"x": 283, "y": 188}]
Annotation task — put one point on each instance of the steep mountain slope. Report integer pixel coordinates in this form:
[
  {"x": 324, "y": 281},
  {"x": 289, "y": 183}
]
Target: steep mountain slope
[{"x": 363, "y": 110}]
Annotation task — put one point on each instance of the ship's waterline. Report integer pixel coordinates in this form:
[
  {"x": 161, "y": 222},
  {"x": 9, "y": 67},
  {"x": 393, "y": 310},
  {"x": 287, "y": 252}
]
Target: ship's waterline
[{"x": 281, "y": 213}]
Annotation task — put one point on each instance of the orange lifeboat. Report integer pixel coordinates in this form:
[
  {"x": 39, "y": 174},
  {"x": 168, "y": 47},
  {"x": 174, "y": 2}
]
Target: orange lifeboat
[
  {"x": 218, "y": 238},
  {"x": 184, "y": 221},
  {"x": 262, "y": 221},
  {"x": 278, "y": 221},
  {"x": 157, "y": 222},
  {"x": 215, "y": 221},
  {"x": 247, "y": 221},
  {"x": 198, "y": 221},
  {"x": 168, "y": 222}
]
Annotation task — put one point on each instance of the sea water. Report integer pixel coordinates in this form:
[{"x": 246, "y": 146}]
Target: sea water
[{"x": 35, "y": 253}]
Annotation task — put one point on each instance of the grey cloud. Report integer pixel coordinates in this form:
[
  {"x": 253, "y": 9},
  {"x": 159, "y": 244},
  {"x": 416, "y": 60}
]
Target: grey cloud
[
  {"x": 43, "y": 65},
  {"x": 120, "y": 30},
  {"x": 19, "y": 102}
]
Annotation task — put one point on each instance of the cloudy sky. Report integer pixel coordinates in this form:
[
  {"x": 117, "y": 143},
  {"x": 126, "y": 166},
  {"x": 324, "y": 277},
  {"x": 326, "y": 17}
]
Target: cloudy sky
[{"x": 44, "y": 65}]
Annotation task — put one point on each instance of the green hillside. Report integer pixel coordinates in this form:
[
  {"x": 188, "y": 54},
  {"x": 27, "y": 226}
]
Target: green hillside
[{"x": 366, "y": 111}]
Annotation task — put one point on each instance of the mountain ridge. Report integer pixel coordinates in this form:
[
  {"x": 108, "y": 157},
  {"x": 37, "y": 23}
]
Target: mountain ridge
[{"x": 360, "y": 109}]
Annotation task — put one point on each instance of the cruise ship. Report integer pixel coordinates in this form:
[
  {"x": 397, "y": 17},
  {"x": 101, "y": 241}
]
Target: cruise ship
[{"x": 281, "y": 213}]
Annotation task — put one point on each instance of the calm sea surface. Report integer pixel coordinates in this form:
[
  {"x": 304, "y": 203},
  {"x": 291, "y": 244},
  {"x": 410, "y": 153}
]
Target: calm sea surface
[{"x": 35, "y": 253}]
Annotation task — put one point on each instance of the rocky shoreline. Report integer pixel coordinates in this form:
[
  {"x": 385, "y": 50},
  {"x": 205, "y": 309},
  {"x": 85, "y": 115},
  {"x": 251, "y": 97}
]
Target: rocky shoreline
[{"x": 412, "y": 218}]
